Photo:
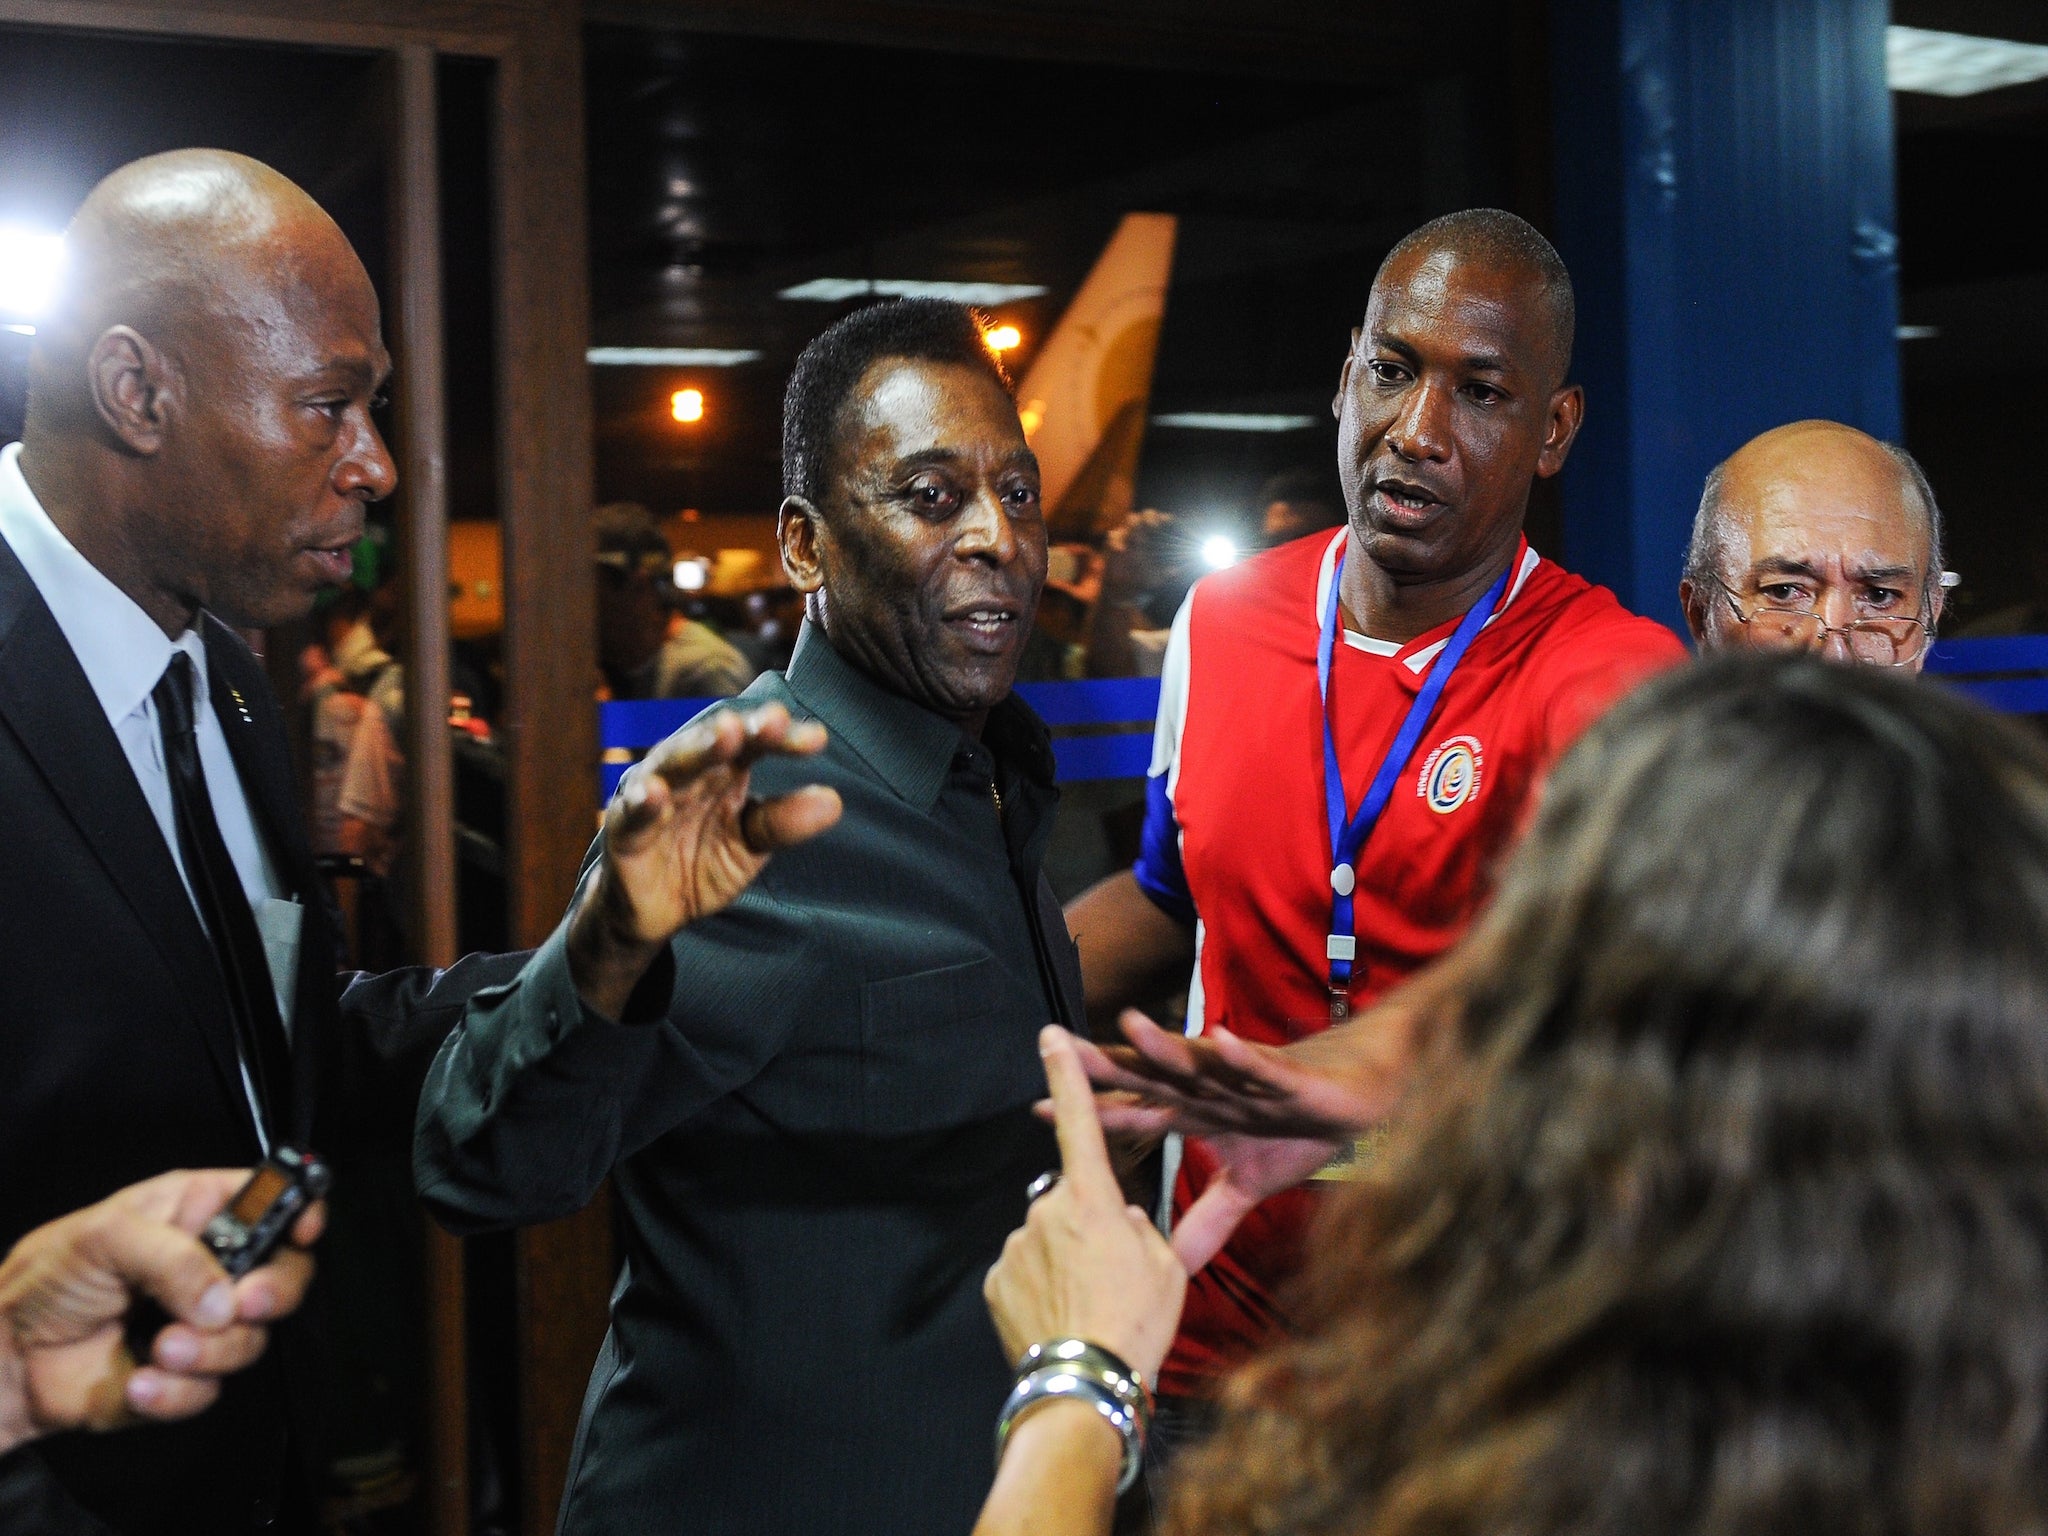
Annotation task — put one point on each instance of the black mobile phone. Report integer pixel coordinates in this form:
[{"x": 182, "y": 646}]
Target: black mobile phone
[{"x": 248, "y": 1231}]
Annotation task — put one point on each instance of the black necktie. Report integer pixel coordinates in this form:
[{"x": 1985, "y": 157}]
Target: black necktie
[{"x": 224, "y": 907}]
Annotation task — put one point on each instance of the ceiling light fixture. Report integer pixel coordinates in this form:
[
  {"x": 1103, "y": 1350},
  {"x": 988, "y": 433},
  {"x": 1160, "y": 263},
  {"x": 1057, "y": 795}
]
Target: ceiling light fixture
[
  {"x": 1001, "y": 338},
  {"x": 671, "y": 357},
  {"x": 1957, "y": 64},
  {"x": 1233, "y": 421},
  {"x": 837, "y": 290}
]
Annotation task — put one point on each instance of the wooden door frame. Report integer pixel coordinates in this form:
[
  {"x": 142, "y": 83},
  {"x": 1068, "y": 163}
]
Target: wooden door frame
[{"x": 545, "y": 481}]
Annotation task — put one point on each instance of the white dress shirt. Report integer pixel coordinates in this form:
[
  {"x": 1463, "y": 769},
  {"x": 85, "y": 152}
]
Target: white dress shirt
[{"x": 124, "y": 654}]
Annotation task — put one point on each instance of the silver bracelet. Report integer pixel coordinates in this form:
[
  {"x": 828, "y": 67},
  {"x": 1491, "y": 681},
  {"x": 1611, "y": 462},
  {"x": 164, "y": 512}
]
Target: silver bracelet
[{"x": 1074, "y": 1368}]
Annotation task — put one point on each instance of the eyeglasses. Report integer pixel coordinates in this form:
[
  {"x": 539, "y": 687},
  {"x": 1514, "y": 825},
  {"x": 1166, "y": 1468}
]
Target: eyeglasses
[{"x": 1889, "y": 642}]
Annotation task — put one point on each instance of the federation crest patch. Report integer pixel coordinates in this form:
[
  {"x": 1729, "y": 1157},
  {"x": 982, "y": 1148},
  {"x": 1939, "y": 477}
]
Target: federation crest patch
[{"x": 1450, "y": 775}]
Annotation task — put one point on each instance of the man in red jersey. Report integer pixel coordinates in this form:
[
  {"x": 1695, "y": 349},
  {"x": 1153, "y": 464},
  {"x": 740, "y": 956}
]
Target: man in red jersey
[{"x": 1351, "y": 724}]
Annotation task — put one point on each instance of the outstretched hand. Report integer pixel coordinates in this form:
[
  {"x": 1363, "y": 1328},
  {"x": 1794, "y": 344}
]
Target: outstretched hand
[
  {"x": 682, "y": 839},
  {"x": 67, "y": 1287},
  {"x": 1271, "y": 1115},
  {"x": 1327, "y": 1087}
]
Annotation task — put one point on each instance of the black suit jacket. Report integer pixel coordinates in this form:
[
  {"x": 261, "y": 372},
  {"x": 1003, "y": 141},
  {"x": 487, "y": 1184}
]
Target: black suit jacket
[{"x": 117, "y": 1060}]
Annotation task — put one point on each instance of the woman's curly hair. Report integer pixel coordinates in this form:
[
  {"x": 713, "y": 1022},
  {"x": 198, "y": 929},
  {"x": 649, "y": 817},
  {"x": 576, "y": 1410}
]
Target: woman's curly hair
[{"x": 1732, "y": 1215}]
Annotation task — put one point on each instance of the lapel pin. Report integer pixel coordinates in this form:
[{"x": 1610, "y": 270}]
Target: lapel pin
[{"x": 242, "y": 705}]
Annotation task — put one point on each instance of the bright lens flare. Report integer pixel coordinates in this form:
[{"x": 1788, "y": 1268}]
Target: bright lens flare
[
  {"x": 1218, "y": 552},
  {"x": 1001, "y": 338},
  {"x": 687, "y": 405},
  {"x": 30, "y": 262}
]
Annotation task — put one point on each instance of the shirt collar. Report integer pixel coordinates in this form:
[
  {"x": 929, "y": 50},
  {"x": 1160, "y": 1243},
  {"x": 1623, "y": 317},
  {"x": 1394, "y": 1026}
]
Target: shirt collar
[
  {"x": 908, "y": 746},
  {"x": 119, "y": 647},
  {"x": 1418, "y": 653}
]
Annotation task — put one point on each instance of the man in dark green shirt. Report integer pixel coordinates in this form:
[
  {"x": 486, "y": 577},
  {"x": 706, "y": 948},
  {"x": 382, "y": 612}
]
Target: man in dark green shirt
[{"x": 817, "y": 1107}]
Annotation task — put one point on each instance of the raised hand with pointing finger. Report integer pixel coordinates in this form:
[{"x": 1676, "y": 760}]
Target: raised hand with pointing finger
[
  {"x": 1085, "y": 1269},
  {"x": 1085, "y": 1264}
]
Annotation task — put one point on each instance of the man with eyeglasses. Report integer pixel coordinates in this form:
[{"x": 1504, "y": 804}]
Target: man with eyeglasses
[{"x": 1815, "y": 536}]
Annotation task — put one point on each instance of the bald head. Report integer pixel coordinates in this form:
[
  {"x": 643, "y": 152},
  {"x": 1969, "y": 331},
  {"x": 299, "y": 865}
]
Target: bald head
[
  {"x": 175, "y": 246},
  {"x": 1508, "y": 244},
  {"x": 1818, "y": 514},
  {"x": 199, "y": 397}
]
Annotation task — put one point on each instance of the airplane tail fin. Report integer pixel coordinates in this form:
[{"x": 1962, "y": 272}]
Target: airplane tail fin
[{"x": 1084, "y": 400}]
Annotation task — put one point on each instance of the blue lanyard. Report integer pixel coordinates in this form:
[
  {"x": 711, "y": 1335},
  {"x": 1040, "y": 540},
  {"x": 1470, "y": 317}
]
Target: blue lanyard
[{"x": 1347, "y": 838}]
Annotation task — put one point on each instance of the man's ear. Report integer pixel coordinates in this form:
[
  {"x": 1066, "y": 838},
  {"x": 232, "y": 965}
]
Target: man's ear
[
  {"x": 1344, "y": 374},
  {"x": 134, "y": 388},
  {"x": 1567, "y": 414},
  {"x": 1694, "y": 604},
  {"x": 796, "y": 532}
]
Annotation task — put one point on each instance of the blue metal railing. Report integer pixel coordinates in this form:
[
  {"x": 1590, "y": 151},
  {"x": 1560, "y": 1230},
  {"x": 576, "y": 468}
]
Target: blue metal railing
[
  {"x": 1103, "y": 729},
  {"x": 1116, "y": 712},
  {"x": 1994, "y": 671}
]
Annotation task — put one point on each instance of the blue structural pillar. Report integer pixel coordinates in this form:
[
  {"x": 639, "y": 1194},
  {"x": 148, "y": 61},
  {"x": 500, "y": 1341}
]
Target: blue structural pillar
[{"x": 1724, "y": 201}]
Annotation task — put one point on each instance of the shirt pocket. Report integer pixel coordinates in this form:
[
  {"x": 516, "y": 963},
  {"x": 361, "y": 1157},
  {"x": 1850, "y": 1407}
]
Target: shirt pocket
[{"x": 942, "y": 1048}]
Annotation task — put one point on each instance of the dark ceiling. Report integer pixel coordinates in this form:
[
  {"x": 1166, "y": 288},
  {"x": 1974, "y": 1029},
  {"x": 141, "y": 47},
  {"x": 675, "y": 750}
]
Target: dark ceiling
[
  {"x": 73, "y": 107},
  {"x": 724, "y": 169}
]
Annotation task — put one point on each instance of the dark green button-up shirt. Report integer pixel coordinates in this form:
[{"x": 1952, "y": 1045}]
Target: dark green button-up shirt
[{"x": 818, "y": 1151}]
